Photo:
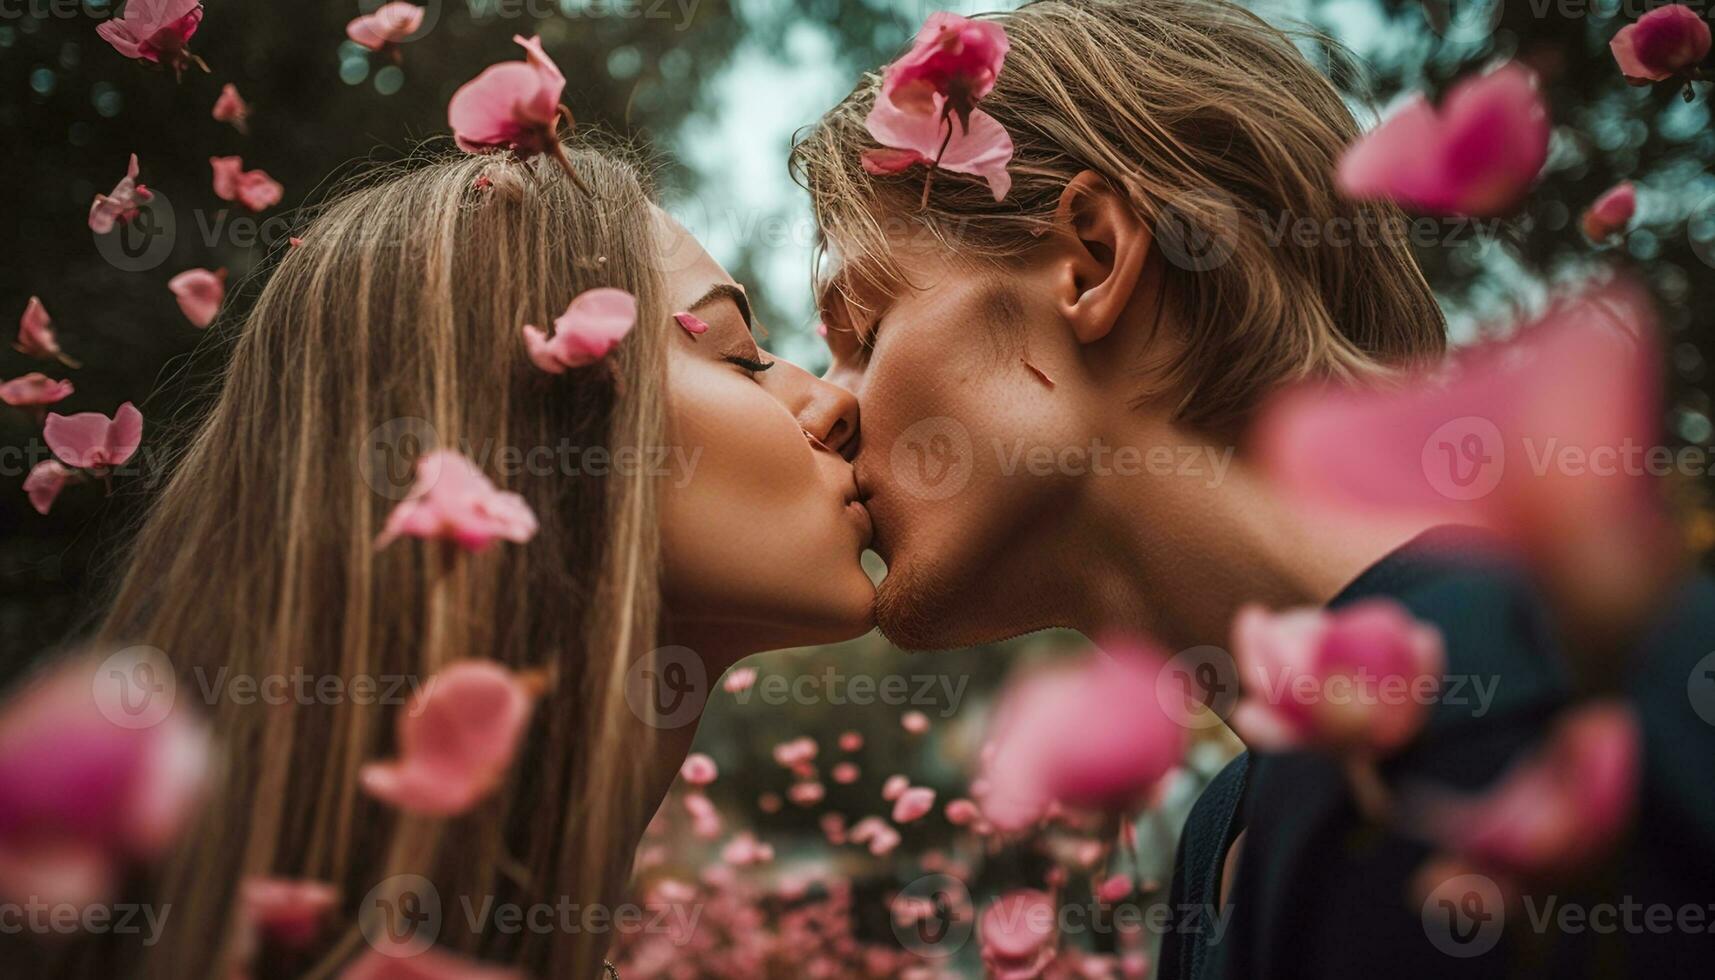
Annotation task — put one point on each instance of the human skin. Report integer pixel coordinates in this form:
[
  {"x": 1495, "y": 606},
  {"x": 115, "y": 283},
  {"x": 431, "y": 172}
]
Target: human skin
[{"x": 1056, "y": 358}]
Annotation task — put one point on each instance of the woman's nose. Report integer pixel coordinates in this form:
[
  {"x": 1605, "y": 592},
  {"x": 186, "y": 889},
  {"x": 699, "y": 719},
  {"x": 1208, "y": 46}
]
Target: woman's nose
[{"x": 827, "y": 412}]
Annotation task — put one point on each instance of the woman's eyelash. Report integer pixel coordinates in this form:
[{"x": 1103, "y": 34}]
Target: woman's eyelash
[{"x": 754, "y": 367}]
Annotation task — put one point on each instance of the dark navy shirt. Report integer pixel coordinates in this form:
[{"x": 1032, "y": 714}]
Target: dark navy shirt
[{"x": 1318, "y": 893}]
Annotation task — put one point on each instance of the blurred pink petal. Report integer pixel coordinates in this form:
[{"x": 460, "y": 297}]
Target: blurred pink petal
[
  {"x": 1018, "y": 934},
  {"x": 698, "y": 770},
  {"x": 592, "y": 326},
  {"x": 953, "y": 57},
  {"x": 1666, "y": 42},
  {"x": 913, "y": 804},
  {"x": 1479, "y": 155},
  {"x": 914, "y": 722},
  {"x": 510, "y": 106},
  {"x": 1091, "y": 736},
  {"x": 1358, "y": 680},
  {"x": 851, "y": 741},
  {"x": 962, "y": 812},
  {"x": 231, "y": 108},
  {"x": 739, "y": 679},
  {"x": 385, "y": 963},
  {"x": 705, "y": 819},
  {"x": 691, "y": 324},
  {"x": 845, "y": 773},
  {"x": 893, "y": 787},
  {"x": 1611, "y": 214},
  {"x": 806, "y": 793},
  {"x": 253, "y": 189},
  {"x": 802, "y": 749},
  {"x": 288, "y": 913},
  {"x": 123, "y": 204},
  {"x": 456, "y": 740},
  {"x": 1558, "y": 810},
  {"x": 81, "y": 794},
  {"x": 454, "y": 501},
  {"x": 36, "y": 335},
  {"x": 44, "y": 484},
  {"x": 200, "y": 293},
  {"x": 92, "y": 441},
  {"x": 1115, "y": 888},
  {"x": 156, "y": 31},
  {"x": 746, "y": 849},
  {"x": 983, "y": 150},
  {"x": 391, "y": 24},
  {"x": 1540, "y": 438},
  {"x": 877, "y": 833},
  {"x": 34, "y": 389}
]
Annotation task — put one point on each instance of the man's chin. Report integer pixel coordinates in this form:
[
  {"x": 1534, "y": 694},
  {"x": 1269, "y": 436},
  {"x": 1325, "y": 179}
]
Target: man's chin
[{"x": 917, "y": 609}]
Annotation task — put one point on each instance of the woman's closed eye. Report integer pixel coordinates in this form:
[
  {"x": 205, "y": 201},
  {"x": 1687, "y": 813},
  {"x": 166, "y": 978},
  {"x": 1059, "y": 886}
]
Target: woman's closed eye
[{"x": 750, "y": 362}]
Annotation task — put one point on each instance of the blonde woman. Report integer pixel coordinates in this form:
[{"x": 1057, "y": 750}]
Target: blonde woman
[{"x": 691, "y": 491}]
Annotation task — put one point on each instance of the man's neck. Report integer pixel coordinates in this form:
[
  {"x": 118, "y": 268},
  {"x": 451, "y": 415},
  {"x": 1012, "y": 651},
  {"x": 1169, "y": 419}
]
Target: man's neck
[{"x": 1175, "y": 562}]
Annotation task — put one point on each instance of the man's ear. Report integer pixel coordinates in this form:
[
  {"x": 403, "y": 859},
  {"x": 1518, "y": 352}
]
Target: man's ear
[{"x": 1104, "y": 245}]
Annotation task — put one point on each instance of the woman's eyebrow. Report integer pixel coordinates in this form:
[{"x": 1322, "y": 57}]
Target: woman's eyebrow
[{"x": 727, "y": 291}]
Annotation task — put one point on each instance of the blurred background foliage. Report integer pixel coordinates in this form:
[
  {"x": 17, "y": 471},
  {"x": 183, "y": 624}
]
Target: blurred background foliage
[{"x": 713, "y": 91}]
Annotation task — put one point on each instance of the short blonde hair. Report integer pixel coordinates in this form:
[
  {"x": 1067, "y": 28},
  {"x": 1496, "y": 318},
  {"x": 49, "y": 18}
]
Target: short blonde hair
[{"x": 1206, "y": 118}]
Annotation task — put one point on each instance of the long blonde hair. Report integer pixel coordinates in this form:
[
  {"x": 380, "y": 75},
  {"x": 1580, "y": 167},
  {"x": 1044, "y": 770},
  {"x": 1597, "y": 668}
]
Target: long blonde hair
[
  {"x": 399, "y": 315},
  {"x": 1206, "y": 118}
]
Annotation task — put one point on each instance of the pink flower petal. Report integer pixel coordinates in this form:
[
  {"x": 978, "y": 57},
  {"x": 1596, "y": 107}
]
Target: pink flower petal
[
  {"x": 452, "y": 500},
  {"x": 154, "y": 30},
  {"x": 913, "y": 804},
  {"x": 81, "y": 794},
  {"x": 698, "y": 770},
  {"x": 1358, "y": 680},
  {"x": 587, "y": 332},
  {"x": 1479, "y": 155},
  {"x": 34, "y": 389},
  {"x": 1666, "y": 42},
  {"x": 1611, "y": 214},
  {"x": 982, "y": 151},
  {"x": 92, "y": 441},
  {"x": 200, "y": 293},
  {"x": 1483, "y": 446},
  {"x": 1018, "y": 932},
  {"x": 253, "y": 189},
  {"x": 1559, "y": 809},
  {"x": 513, "y": 105},
  {"x": 953, "y": 57},
  {"x": 288, "y": 913},
  {"x": 44, "y": 484},
  {"x": 692, "y": 325},
  {"x": 123, "y": 204},
  {"x": 390, "y": 24},
  {"x": 231, "y": 108},
  {"x": 914, "y": 722},
  {"x": 36, "y": 334},
  {"x": 456, "y": 740}
]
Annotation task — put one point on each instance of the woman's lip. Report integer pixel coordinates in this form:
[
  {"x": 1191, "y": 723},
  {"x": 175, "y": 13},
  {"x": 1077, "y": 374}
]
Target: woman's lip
[{"x": 860, "y": 516}]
